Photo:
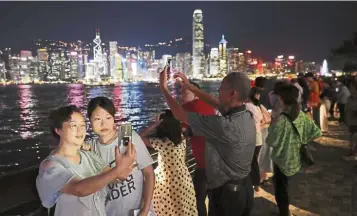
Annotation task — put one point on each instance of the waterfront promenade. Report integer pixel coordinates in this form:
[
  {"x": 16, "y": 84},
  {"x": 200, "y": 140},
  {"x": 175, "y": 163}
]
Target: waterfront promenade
[{"x": 327, "y": 190}]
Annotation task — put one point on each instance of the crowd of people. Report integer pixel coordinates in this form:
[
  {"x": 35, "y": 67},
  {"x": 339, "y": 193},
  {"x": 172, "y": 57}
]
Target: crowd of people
[{"x": 235, "y": 140}]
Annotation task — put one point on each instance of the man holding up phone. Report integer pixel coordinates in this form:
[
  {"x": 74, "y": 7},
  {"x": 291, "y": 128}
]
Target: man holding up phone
[
  {"x": 230, "y": 142},
  {"x": 191, "y": 103}
]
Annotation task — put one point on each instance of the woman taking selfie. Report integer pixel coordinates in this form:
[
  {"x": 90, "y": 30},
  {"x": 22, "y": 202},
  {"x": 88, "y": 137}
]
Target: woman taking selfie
[
  {"x": 71, "y": 179},
  {"x": 135, "y": 193}
]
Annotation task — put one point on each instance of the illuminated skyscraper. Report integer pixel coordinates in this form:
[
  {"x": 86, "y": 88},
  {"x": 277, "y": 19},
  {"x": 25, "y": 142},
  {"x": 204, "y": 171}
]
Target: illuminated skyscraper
[
  {"x": 198, "y": 55},
  {"x": 73, "y": 66},
  {"x": 43, "y": 67},
  {"x": 187, "y": 68},
  {"x": 98, "y": 55},
  {"x": 115, "y": 62},
  {"x": 26, "y": 66},
  {"x": 233, "y": 60},
  {"x": 180, "y": 61},
  {"x": 214, "y": 61},
  {"x": 223, "y": 56},
  {"x": 2, "y": 71},
  {"x": 80, "y": 66}
]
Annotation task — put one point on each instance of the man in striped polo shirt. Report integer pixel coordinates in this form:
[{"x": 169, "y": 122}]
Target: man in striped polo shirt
[{"x": 230, "y": 142}]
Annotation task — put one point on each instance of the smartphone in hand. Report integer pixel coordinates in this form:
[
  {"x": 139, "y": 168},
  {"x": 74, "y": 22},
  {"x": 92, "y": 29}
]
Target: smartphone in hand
[
  {"x": 126, "y": 131},
  {"x": 168, "y": 65}
]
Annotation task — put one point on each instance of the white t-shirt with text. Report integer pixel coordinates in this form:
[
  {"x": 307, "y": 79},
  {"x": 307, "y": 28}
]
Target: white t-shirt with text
[{"x": 124, "y": 197}]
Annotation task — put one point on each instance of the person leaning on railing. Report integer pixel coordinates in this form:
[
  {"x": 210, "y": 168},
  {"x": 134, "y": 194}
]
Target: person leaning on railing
[{"x": 71, "y": 179}]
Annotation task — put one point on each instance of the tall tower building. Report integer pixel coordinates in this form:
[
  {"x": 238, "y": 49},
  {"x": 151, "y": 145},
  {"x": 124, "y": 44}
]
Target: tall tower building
[
  {"x": 223, "y": 56},
  {"x": 198, "y": 55},
  {"x": 98, "y": 54},
  {"x": 113, "y": 50},
  {"x": 115, "y": 59}
]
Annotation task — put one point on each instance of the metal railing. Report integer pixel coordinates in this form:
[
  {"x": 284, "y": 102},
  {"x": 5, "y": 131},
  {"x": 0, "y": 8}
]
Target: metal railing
[{"x": 17, "y": 194}]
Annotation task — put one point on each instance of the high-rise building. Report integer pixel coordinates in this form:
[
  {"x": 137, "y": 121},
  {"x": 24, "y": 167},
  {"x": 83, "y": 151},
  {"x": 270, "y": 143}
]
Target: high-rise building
[
  {"x": 113, "y": 51},
  {"x": 26, "y": 54},
  {"x": 198, "y": 56},
  {"x": 57, "y": 67},
  {"x": 233, "y": 59},
  {"x": 98, "y": 57},
  {"x": 2, "y": 71},
  {"x": 26, "y": 61},
  {"x": 73, "y": 66},
  {"x": 241, "y": 63},
  {"x": 153, "y": 70},
  {"x": 81, "y": 66},
  {"x": 118, "y": 68},
  {"x": 180, "y": 61},
  {"x": 43, "y": 67},
  {"x": 214, "y": 62},
  {"x": 249, "y": 62},
  {"x": 291, "y": 66},
  {"x": 187, "y": 68},
  {"x": 14, "y": 63},
  {"x": 280, "y": 64},
  {"x": 127, "y": 67},
  {"x": 42, "y": 54},
  {"x": 223, "y": 56}
]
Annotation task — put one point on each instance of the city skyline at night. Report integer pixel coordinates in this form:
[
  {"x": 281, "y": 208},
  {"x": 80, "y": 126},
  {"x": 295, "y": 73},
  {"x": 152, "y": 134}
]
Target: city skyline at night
[{"x": 306, "y": 29}]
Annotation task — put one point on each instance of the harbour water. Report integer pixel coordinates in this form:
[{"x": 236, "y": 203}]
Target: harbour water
[{"x": 24, "y": 135}]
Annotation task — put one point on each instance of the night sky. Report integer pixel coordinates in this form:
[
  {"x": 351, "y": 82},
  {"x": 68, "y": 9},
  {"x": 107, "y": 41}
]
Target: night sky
[{"x": 305, "y": 29}]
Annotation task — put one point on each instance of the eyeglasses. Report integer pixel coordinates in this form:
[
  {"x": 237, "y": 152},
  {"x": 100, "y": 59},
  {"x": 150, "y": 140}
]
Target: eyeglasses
[{"x": 76, "y": 127}]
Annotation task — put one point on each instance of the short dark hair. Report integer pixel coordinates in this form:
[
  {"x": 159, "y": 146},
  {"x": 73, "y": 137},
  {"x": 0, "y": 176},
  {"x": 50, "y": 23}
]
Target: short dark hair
[
  {"x": 309, "y": 75},
  {"x": 289, "y": 94},
  {"x": 260, "y": 82},
  {"x": 239, "y": 82},
  {"x": 102, "y": 102},
  {"x": 58, "y": 116},
  {"x": 253, "y": 92},
  {"x": 277, "y": 86},
  {"x": 195, "y": 84},
  {"x": 170, "y": 128}
]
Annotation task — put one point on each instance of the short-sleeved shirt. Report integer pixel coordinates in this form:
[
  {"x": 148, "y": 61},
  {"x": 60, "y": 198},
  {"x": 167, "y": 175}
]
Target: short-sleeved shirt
[
  {"x": 198, "y": 142},
  {"x": 124, "y": 197},
  {"x": 230, "y": 143},
  {"x": 286, "y": 142},
  {"x": 51, "y": 180},
  {"x": 258, "y": 117}
]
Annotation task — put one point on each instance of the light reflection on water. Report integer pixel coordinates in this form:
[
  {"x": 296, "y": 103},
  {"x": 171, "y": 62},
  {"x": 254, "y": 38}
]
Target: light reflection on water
[{"x": 24, "y": 135}]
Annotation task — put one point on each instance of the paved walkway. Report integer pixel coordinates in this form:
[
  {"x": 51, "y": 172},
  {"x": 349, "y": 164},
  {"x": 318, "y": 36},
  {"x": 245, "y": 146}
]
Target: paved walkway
[{"x": 328, "y": 190}]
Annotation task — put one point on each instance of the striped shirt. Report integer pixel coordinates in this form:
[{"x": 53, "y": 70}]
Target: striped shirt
[{"x": 230, "y": 143}]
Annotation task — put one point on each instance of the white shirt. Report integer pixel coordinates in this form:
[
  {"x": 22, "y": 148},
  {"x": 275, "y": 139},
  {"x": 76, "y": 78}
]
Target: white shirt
[{"x": 258, "y": 117}]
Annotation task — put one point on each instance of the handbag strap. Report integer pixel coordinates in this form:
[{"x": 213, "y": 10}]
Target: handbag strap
[{"x": 292, "y": 123}]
